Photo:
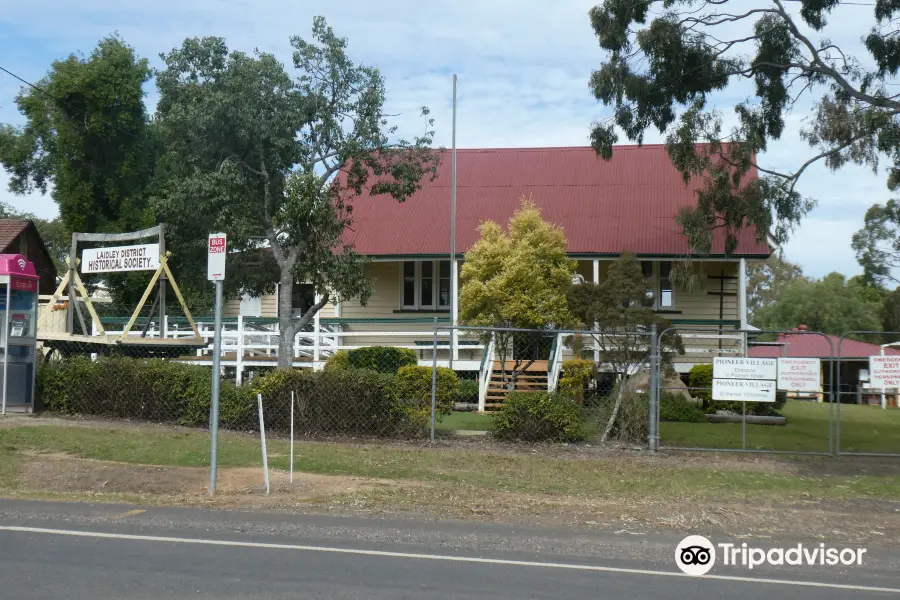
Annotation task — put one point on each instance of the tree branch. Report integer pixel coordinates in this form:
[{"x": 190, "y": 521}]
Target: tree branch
[{"x": 829, "y": 70}]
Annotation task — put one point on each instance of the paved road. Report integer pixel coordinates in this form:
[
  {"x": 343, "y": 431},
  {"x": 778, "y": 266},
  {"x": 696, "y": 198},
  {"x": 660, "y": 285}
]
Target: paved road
[{"x": 91, "y": 552}]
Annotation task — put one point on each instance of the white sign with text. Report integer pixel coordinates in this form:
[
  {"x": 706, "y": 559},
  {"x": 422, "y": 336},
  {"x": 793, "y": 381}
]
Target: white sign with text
[
  {"x": 745, "y": 368},
  {"x": 884, "y": 372},
  {"x": 120, "y": 258},
  {"x": 215, "y": 263},
  {"x": 743, "y": 390},
  {"x": 799, "y": 374}
]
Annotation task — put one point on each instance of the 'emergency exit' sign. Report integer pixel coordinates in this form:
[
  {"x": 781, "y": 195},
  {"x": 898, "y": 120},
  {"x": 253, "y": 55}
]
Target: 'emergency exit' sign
[{"x": 884, "y": 372}]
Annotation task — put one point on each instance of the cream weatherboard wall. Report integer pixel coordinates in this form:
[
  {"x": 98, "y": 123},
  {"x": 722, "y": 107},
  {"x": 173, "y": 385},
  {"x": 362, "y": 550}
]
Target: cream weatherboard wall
[
  {"x": 385, "y": 304},
  {"x": 268, "y": 307}
]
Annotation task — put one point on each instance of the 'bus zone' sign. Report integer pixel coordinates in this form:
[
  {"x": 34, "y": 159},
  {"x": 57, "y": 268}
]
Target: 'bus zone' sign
[
  {"x": 884, "y": 372},
  {"x": 215, "y": 262}
]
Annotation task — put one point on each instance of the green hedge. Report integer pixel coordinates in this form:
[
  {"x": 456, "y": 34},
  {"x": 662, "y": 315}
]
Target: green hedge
[
  {"x": 384, "y": 359},
  {"x": 338, "y": 361},
  {"x": 539, "y": 416},
  {"x": 342, "y": 402},
  {"x": 468, "y": 392},
  {"x": 143, "y": 389}
]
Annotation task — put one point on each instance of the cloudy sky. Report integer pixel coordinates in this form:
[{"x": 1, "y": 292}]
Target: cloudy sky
[{"x": 523, "y": 67}]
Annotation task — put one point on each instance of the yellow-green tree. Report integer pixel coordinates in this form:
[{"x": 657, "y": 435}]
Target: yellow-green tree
[{"x": 517, "y": 278}]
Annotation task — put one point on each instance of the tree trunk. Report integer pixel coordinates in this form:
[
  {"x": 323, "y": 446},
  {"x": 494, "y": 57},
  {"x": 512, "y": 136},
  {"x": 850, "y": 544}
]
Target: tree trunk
[
  {"x": 287, "y": 328},
  {"x": 620, "y": 396}
]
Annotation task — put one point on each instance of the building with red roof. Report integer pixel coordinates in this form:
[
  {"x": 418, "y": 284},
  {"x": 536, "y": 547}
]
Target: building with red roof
[
  {"x": 628, "y": 203},
  {"x": 847, "y": 357}
]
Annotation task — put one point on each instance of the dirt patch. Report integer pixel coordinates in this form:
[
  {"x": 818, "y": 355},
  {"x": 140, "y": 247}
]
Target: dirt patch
[{"x": 61, "y": 474}]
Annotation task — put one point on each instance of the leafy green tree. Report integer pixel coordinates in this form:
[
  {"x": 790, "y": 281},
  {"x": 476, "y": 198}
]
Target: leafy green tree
[
  {"x": 623, "y": 313},
  {"x": 831, "y": 305},
  {"x": 666, "y": 60},
  {"x": 877, "y": 244},
  {"x": 275, "y": 162},
  {"x": 87, "y": 135},
  {"x": 890, "y": 316},
  {"x": 517, "y": 278},
  {"x": 765, "y": 280}
]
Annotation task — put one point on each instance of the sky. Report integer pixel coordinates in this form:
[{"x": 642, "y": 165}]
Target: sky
[{"x": 522, "y": 67}]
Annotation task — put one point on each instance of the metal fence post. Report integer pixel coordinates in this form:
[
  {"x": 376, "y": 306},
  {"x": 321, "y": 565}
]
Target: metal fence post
[
  {"x": 434, "y": 377},
  {"x": 654, "y": 387}
]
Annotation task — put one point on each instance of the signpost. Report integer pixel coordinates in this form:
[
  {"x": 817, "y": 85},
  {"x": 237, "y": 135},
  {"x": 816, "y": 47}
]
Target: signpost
[
  {"x": 884, "y": 372},
  {"x": 799, "y": 374},
  {"x": 745, "y": 368},
  {"x": 743, "y": 390},
  {"x": 215, "y": 271},
  {"x": 744, "y": 380},
  {"x": 144, "y": 257}
]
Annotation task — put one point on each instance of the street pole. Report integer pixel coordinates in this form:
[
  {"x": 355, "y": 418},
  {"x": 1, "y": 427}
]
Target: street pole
[
  {"x": 214, "y": 401},
  {"x": 453, "y": 274}
]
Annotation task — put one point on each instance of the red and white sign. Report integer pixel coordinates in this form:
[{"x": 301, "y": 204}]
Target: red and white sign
[
  {"x": 884, "y": 372},
  {"x": 799, "y": 374},
  {"x": 27, "y": 285},
  {"x": 215, "y": 262}
]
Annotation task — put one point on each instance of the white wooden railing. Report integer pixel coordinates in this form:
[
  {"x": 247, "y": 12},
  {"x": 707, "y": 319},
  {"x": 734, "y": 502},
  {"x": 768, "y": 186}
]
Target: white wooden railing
[
  {"x": 485, "y": 373},
  {"x": 556, "y": 360}
]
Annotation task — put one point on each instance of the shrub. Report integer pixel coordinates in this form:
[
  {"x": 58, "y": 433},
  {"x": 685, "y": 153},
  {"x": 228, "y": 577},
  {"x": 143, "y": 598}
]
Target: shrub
[
  {"x": 575, "y": 375},
  {"x": 538, "y": 416},
  {"x": 674, "y": 408},
  {"x": 632, "y": 421},
  {"x": 338, "y": 361},
  {"x": 700, "y": 381},
  {"x": 384, "y": 359},
  {"x": 342, "y": 402},
  {"x": 468, "y": 392},
  {"x": 143, "y": 389},
  {"x": 414, "y": 391}
]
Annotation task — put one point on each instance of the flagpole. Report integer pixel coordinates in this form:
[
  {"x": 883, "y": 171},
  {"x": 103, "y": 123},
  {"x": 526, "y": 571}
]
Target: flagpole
[{"x": 454, "y": 275}]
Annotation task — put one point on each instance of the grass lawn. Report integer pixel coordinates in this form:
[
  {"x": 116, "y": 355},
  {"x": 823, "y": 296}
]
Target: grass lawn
[
  {"x": 470, "y": 421},
  {"x": 460, "y": 471},
  {"x": 863, "y": 429}
]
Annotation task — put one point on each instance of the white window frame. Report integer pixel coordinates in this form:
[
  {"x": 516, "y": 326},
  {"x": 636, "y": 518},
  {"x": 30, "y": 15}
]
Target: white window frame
[
  {"x": 435, "y": 304},
  {"x": 657, "y": 284}
]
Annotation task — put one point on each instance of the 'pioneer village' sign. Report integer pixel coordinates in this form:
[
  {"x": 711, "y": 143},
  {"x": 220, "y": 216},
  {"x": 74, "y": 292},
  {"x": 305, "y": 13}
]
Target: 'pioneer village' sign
[{"x": 121, "y": 258}]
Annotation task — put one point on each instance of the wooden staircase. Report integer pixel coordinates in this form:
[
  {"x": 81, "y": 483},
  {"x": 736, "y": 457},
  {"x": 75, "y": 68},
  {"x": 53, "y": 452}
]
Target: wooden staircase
[{"x": 532, "y": 379}]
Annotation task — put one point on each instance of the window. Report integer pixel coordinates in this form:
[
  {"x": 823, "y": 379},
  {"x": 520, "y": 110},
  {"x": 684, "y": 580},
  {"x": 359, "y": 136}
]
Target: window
[
  {"x": 409, "y": 285},
  {"x": 660, "y": 289},
  {"x": 666, "y": 295},
  {"x": 425, "y": 284},
  {"x": 303, "y": 297},
  {"x": 426, "y": 288}
]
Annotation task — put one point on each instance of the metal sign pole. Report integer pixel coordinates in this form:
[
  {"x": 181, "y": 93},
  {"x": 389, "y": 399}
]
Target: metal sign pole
[
  {"x": 214, "y": 401},
  {"x": 215, "y": 271}
]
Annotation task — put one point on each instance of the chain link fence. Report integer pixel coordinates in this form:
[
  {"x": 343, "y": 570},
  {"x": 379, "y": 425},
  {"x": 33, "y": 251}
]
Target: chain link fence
[
  {"x": 551, "y": 385},
  {"x": 799, "y": 419},
  {"x": 520, "y": 385}
]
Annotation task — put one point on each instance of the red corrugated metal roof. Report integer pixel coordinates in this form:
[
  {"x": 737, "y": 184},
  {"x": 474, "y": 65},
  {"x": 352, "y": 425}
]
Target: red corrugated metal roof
[
  {"x": 817, "y": 346},
  {"x": 604, "y": 207}
]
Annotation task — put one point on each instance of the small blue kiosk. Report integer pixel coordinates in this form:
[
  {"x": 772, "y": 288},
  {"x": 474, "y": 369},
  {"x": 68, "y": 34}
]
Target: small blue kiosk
[{"x": 19, "y": 285}]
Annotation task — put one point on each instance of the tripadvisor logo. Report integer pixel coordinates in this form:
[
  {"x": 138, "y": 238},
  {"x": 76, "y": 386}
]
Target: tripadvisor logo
[{"x": 696, "y": 555}]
